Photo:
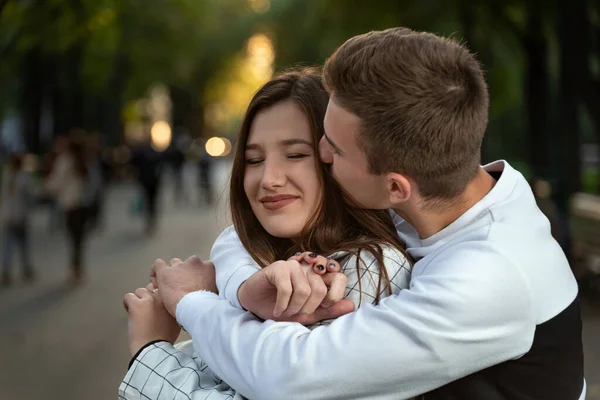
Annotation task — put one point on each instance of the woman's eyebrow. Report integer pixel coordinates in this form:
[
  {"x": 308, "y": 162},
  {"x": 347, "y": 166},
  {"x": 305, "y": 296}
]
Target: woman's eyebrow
[
  {"x": 284, "y": 143},
  {"x": 252, "y": 146},
  {"x": 289, "y": 142}
]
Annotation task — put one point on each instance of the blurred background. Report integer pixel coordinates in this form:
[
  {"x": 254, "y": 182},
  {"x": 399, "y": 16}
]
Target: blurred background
[{"x": 137, "y": 103}]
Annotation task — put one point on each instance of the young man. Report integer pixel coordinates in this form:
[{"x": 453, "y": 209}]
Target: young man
[{"x": 492, "y": 309}]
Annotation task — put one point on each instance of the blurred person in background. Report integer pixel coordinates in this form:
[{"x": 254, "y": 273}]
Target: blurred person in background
[
  {"x": 55, "y": 217},
  {"x": 176, "y": 158},
  {"x": 149, "y": 165},
  {"x": 69, "y": 182},
  {"x": 17, "y": 198},
  {"x": 205, "y": 167},
  {"x": 94, "y": 195}
]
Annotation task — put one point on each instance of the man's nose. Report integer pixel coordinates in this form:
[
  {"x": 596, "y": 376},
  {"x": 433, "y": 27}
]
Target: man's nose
[{"x": 325, "y": 152}]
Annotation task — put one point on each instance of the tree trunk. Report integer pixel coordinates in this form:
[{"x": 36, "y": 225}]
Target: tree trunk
[
  {"x": 31, "y": 99},
  {"x": 113, "y": 104},
  {"x": 467, "y": 20},
  {"x": 573, "y": 65},
  {"x": 537, "y": 89},
  {"x": 182, "y": 111},
  {"x": 591, "y": 89}
]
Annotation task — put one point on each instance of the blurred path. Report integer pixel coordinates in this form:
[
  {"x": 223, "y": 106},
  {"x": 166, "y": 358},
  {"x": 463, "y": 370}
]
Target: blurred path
[
  {"x": 58, "y": 343},
  {"x": 62, "y": 343}
]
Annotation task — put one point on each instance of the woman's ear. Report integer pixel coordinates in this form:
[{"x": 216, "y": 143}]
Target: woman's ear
[{"x": 399, "y": 188}]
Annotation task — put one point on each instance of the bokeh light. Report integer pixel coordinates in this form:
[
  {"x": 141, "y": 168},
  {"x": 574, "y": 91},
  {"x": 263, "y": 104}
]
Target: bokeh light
[
  {"x": 218, "y": 146},
  {"x": 160, "y": 135},
  {"x": 261, "y": 55},
  {"x": 260, "y": 6}
]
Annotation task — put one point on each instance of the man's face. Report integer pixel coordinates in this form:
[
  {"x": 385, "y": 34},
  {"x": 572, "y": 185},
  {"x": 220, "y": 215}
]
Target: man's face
[{"x": 349, "y": 167}]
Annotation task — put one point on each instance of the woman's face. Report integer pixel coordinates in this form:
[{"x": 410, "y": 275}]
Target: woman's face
[{"x": 281, "y": 179}]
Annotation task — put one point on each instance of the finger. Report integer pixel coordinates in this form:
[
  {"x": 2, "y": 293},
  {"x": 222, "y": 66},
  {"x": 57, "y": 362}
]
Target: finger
[
  {"x": 156, "y": 268},
  {"x": 283, "y": 283},
  {"x": 318, "y": 291},
  {"x": 128, "y": 299},
  {"x": 333, "y": 266},
  {"x": 174, "y": 261},
  {"x": 308, "y": 257},
  {"x": 318, "y": 266},
  {"x": 336, "y": 282},
  {"x": 300, "y": 292},
  {"x": 150, "y": 287},
  {"x": 338, "y": 309},
  {"x": 142, "y": 293},
  {"x": 313, "y": 258}
]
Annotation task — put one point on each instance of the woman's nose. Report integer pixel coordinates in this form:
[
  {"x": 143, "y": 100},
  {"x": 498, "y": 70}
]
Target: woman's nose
[{"x": 273, "y": 175}]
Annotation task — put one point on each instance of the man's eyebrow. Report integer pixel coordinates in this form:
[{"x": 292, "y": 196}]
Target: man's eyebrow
[{"x": 332, "y": 144}]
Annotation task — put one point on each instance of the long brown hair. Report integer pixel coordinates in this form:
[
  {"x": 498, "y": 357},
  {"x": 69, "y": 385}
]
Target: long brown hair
[{"x": 336, "y": 225}]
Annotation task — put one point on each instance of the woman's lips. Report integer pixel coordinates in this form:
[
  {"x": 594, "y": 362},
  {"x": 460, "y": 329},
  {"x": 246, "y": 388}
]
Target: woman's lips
[{"x": 277, "y": 203}]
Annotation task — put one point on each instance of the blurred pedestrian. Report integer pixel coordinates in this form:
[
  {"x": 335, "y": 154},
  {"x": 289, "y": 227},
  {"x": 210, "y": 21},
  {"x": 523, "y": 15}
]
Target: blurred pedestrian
[
  {"x": 176, "y": 157},
  {"x": 68, "y": 182},
  {"x": 149, "y": 163},
  {"x": 55, "y": 216},
  {"x": 94, "y": 194},
  {"x": 17, "y": 197},
  {"x": 205, "y": 185}
]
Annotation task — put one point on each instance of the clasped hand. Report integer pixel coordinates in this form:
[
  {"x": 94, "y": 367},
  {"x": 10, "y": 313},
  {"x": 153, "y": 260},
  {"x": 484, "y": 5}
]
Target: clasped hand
[{"x": 306, "y": 288}]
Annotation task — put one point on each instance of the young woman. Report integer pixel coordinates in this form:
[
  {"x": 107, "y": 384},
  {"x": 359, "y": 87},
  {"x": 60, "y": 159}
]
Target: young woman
[
  {"x": 68, "y": 182},
  {"x": 283, "y": 202}
]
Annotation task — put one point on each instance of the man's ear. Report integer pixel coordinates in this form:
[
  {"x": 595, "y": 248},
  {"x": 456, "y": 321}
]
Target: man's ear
[{"x": 399, "y": 188}]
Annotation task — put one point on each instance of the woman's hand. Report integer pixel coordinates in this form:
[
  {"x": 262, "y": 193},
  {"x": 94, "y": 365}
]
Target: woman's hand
[
  {"x": 291, "y": 291},
  {"x": 321, "y": 265},
  {"x": 149, "y": 320}
]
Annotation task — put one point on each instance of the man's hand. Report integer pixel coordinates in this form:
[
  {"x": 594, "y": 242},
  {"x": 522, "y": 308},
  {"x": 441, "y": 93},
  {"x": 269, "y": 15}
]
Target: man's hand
[
  {"x": 289, "y": 291},
  {"x": 180, "y": 278},
  {"x": 149, "y": 320}
]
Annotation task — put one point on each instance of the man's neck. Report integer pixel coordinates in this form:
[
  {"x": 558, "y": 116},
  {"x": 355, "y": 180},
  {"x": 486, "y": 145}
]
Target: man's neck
[{"x": 428, "y": 223}]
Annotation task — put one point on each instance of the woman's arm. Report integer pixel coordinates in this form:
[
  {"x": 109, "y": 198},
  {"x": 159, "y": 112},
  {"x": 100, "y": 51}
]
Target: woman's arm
[{"x": 162, "y": 371}]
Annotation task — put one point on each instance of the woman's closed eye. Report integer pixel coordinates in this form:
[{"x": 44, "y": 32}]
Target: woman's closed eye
[
  {"x": 291, "y": 156},
  {"x": 297, "y": 156},
  {"x": 254, "y": 161}
]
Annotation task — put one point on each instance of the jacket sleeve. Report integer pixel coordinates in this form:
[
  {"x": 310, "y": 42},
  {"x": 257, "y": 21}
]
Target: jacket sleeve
[
  {"x": 160, "y": 371},
  {"x": 233, "y": 265},
  {"x": 455, "y": 318}
]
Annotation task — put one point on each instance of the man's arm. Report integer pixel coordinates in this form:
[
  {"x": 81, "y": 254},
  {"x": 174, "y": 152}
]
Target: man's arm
[
  {"x": 233, "y": 265},
  {"x": 453, "y": 321}
]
